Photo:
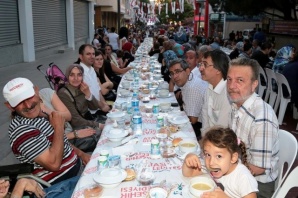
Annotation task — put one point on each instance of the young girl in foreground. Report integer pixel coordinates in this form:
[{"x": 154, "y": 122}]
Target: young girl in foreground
[{"x": 221, "y": 150}]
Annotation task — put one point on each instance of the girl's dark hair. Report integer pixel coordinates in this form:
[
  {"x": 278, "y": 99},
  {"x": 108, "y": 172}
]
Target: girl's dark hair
[
  {"x": 101, "y": 72},
  {"x": 120, "y": 53},
  {"x": 123, "y": 32},
  {"x": 226, "y": 138}
]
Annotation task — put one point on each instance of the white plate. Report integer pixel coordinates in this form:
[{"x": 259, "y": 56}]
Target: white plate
[
  {"x": 115, "y": 114},
  {"x": 110, "y": 176},
  {"x": 181, "y": 155},
  {"x": 179, "y": 120},
  {"x": 186, "y": 193},
  {"x": 123, "y": 96},
  {"x": 164, "y": 96}
]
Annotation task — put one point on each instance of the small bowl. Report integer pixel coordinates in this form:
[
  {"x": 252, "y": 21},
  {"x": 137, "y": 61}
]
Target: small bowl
[
  {"x": 158, "y": 192},
  {"x": 146, "y": 91},
  {"x": 165, "y": 106},
  {"x": 124, "y": 92},
  {"x": 116, "y": 115},
  {"x": 188, "y": 146},
  {"x": 146, "y": 100},
  {"x": 201, "y": 184},
  {"x": 157, "y": 76},
  {"x": 163, "y": 93},
  {"x": 126, "y": 85},
  {"x": 94, "y": 190}
]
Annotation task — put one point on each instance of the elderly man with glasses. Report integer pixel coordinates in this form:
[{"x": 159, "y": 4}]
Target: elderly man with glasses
[{"x": 193, "y": 90}]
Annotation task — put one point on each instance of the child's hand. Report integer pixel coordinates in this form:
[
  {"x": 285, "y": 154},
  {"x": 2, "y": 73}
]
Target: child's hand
[
  {"x": 217, "y": 193},
  {"x": 192, "y": 160}
]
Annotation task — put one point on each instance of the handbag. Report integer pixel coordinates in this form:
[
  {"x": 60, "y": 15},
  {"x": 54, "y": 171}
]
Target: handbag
[
  {"x": 86, "y": 144},
  {"x": 111, "y": 96}
]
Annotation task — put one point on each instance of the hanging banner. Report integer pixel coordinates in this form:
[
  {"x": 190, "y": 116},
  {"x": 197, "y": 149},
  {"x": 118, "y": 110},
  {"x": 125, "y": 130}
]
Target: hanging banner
[{"x": 173, "y": 7}]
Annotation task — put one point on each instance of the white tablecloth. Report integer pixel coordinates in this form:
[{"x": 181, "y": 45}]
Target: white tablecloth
[{"x": 168, "y": 169}]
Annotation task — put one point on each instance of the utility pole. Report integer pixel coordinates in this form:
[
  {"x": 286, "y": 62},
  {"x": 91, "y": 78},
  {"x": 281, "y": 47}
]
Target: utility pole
[{"x": 118, "y": 16}]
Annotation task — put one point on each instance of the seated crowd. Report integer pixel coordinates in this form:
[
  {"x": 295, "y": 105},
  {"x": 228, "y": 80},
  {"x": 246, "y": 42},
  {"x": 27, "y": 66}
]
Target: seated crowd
[{"x": 212, "y": 90}]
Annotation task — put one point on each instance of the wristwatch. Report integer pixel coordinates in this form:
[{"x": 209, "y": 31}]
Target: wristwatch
[{"x": 76, "y": 134}]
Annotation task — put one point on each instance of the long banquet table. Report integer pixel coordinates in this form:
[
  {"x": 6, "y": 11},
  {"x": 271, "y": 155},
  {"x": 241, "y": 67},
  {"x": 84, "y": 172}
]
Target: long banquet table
[{"x": 168, "y": 169}]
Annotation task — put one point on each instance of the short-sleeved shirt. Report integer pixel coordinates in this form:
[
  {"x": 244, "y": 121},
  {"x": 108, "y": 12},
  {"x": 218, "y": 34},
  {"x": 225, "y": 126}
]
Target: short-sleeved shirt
[
  {"x": 255, "y": 123},
  {"x": 113, "y": 39},
  {"x": 31, "y": 137},
  {"x": 91, "y": 79},
  {"x": 193, "y": 97},
  {"x": 217, "y": 107},
  {"x": 239, "y": 183}
]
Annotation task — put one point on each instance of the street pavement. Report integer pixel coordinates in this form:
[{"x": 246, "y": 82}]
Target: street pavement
[{"x": 26, "y": 70}]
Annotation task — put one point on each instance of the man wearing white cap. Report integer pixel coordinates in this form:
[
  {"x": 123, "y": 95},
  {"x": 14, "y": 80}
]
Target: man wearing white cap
[{"x": 38, "y": 138}]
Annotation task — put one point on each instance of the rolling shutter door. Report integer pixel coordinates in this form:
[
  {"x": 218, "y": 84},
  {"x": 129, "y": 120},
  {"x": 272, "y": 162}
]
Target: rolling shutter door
[
  {"x": 81, "y": 20},
  {"x": 49, "y": 23},
  {"x": 9, "y": 23}
]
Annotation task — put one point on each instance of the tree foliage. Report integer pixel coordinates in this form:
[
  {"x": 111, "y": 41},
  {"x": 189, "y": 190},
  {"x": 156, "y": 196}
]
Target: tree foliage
[{"x": 256, "y": 7}]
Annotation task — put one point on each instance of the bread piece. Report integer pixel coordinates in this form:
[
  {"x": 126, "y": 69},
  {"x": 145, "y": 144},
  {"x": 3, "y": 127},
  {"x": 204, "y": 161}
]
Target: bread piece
[
  {"x": 176, "y": 141},
  {"x": 131, "y": 174}
]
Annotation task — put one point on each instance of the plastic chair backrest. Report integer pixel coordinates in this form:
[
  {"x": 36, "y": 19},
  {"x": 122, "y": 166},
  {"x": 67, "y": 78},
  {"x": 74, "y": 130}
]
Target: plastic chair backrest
[
  {"x": 282, "y": 100},
  {"x": 287, "y": 154},
  {"x": 261, "y": 88},
  {"x": 270, "y": 92},
  {"x": 290, "y": 182}
]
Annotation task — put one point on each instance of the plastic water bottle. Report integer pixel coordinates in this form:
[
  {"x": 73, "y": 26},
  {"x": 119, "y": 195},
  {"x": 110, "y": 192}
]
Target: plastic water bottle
[
  {"x": 137, "y": 122},
  {"x": 134, "y": 101}
]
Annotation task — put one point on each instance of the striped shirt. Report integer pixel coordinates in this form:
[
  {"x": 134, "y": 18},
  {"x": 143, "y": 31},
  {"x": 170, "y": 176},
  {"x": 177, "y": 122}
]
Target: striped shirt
[
  {"x": 193, "y": 97},
  {"x": 31, "y": 137},
  {"x": 255, "y": 123}
]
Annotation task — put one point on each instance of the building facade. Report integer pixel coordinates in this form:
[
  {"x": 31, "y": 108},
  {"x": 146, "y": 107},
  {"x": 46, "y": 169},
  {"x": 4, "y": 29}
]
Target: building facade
[
  {"x": 106, "y": 13},
  {"x": 30, "y": 29}
]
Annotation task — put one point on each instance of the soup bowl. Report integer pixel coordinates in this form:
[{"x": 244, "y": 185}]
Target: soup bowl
[
  {"x": 188, "y": 146},
  {"x": 126, "y": 85},
  {"x": 163, "y": 93},
  {"x": 199, "y": 185}
]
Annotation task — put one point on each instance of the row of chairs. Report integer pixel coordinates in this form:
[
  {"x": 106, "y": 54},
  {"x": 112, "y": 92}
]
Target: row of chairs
[{"x": 277, "y": 100}]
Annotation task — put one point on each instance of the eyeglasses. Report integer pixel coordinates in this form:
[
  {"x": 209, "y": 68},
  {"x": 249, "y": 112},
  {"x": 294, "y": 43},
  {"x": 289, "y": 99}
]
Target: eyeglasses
[
  {"x": 172, "y": 74},
  {"x": 205, "y": 65}
]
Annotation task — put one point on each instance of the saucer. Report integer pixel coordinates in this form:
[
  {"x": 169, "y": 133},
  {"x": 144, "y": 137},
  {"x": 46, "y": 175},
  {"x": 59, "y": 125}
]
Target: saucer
[
  {"x": 164, "y": 96},
  {"x": 186, "y": 193},
  {"x": 179, "y": 120},
  {"x": 181, "y": 155}
]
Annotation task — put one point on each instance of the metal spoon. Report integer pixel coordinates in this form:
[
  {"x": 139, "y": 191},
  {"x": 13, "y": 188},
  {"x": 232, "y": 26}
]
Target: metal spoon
[{"x": 213, "y": 169}]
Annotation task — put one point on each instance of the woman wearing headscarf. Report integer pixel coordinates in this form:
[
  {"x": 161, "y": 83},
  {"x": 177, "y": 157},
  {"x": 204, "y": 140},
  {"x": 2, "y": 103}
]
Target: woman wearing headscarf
[
  {"x": 283, "y": 56},
  {"x": 168, "y": 56},
  {"x": 77, "y": 97},
  {"x": 180, "y": 37}
]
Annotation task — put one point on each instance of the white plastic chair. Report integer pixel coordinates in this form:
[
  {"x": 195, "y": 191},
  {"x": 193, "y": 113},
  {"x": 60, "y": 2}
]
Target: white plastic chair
[
  {"x": 281, "y": 99},
  {"x": 287, "y": 154},
  {"x": 290, "y": 182},
  {"x": 270, "y": 76},
  {"x": 262, "y": 88}
]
